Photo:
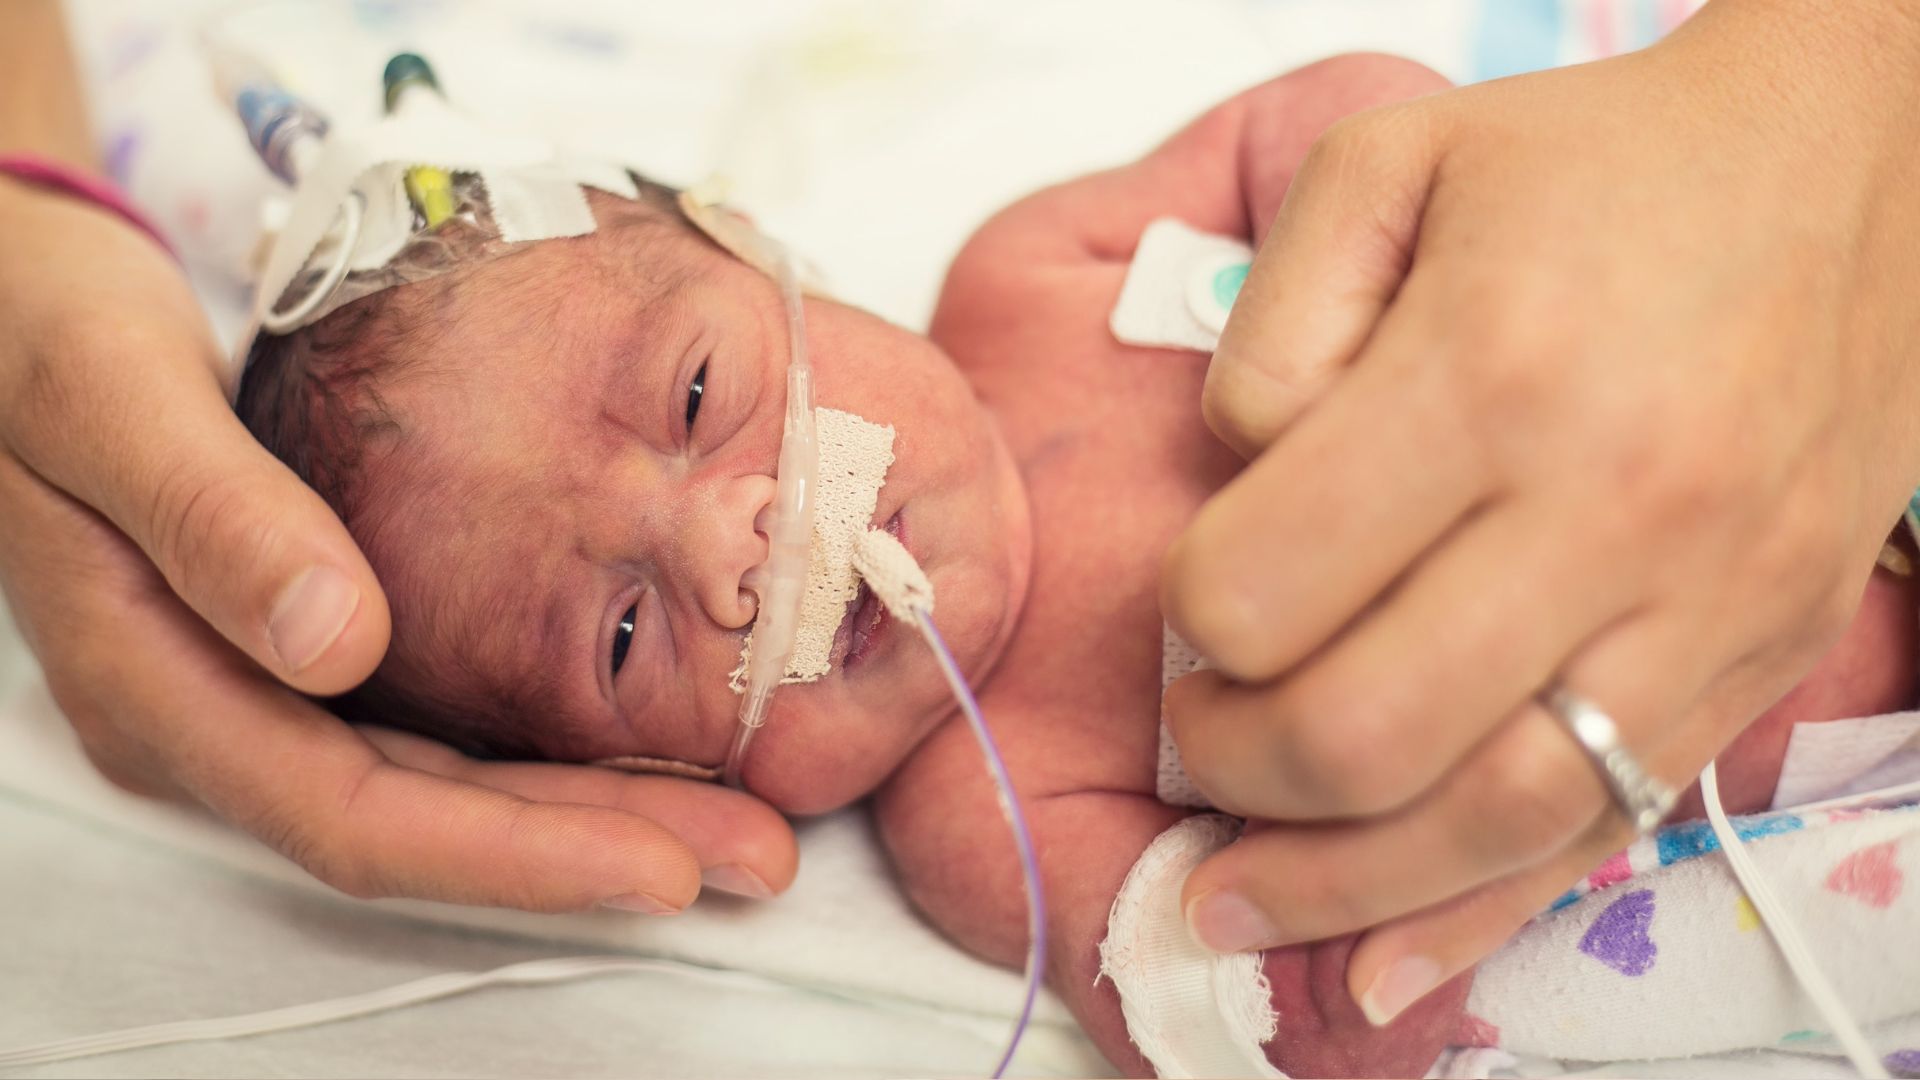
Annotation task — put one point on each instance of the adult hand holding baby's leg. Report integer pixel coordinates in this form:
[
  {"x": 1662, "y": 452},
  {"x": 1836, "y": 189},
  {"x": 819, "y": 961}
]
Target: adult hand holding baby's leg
[
  {"x": 174, "y": 579},
  {"x": 1602, "y": 375}
]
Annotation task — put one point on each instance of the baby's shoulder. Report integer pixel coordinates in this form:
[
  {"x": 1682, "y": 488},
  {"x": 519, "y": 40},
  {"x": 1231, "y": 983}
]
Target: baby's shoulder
[
  {"x": 1025, "y": 289},
  {"x": 1036, "y": 284}
]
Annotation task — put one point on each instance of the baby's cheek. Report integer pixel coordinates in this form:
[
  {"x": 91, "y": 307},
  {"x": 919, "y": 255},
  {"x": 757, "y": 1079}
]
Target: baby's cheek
[{"x": 1324, "y": 1033}]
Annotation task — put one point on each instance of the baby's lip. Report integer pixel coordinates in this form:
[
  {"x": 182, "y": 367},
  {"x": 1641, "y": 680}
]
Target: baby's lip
[{"x": 866, "y": 617}]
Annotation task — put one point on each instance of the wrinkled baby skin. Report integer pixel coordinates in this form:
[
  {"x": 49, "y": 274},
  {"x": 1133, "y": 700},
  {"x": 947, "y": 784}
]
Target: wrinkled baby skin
[{"x": 584, "y": 445}]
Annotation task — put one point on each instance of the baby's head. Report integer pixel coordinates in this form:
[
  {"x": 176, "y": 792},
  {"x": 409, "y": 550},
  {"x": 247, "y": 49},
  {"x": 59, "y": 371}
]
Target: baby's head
[{"x": 554, "y": 458}]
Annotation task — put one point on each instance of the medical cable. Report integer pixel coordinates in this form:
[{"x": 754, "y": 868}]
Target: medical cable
[
  {"x": 418, "y": 992},
  {"x": 287, "y": 133},
  {"x": 429, "y": 189},
  {"x": 1016, "y": 823},
  {"x": 1793, "y": 947}
]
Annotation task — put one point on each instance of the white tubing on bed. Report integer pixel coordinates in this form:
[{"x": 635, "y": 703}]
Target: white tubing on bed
[
  {"x": 1786, "y": 934},
  {"x": 420, "y": 991},
  {"x": 528, "y": 973},
  {"x": 1190, "y": 1011}
]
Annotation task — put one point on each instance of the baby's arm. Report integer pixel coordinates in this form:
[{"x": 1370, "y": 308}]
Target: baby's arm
[
  {"x": 939, "y": 819},
  {"x": 1225, "y": 173}
]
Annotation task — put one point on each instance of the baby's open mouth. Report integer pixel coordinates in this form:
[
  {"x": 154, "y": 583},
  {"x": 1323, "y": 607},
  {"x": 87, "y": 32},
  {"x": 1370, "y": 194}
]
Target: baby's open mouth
[{"x": 866, "y": 618}]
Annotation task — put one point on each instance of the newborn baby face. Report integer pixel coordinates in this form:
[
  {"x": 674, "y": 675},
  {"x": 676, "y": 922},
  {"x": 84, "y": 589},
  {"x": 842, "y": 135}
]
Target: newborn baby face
[{"x": 566, "y": 504}]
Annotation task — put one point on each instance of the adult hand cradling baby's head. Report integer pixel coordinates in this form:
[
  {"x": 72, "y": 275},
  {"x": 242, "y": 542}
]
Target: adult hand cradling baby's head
[{"x": 174, "y": 581}]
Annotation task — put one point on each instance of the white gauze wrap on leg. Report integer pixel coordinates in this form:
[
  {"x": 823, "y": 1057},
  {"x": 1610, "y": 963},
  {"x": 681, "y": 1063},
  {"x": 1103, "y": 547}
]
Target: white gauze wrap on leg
[
  {"x": 854, "y": 457},
  {"x": 1191, "y": 1012}
]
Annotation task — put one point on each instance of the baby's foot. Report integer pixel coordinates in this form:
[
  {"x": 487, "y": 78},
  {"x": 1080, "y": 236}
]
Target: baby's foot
[
  {"x": 1323, "y": 1033},
  {"x": 1874, "y": 668}
]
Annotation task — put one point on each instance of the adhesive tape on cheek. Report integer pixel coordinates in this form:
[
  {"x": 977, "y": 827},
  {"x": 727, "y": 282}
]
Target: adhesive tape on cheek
[{"x": 854, "y": 458}]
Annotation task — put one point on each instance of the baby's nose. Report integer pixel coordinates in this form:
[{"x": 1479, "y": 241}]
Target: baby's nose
[{"x": 724, "y": 545}]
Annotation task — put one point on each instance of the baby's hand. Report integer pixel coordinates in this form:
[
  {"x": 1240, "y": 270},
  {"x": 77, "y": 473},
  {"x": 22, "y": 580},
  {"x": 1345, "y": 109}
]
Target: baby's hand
[{"x": 1323, "y": 1033}]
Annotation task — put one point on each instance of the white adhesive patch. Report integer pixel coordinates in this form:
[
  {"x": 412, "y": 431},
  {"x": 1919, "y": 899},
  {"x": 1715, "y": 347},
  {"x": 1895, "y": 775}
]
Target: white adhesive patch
[
  {"x": 1179, "y": 288},
  {"x": 854, "y": 458},
  {"x": 1171, "y": 783}
]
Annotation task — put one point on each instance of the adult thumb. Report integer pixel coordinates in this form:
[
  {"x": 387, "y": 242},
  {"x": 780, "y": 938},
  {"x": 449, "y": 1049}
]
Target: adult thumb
[
  {"x": 1329, "y": 267},
  {"x": 261, "y": 557},
  {"x": 148, "y": 440}
]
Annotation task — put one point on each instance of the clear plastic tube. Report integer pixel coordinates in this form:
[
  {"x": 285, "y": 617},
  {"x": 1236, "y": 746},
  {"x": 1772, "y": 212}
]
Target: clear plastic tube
[
  {"x": 1016, "y": 823},
  {"x": 789, "y": 533}
]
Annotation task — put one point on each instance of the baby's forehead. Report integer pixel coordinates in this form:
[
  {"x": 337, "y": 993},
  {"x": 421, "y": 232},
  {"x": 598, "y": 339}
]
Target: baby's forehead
[
  {"x": 470, "y": 561},
  {"x": 616, "y": 286}
]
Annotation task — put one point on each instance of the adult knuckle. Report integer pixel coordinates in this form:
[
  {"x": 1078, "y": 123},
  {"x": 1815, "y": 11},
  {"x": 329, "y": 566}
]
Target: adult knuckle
[
  {"x": 1506, "y": 360},
  {"x": 40, "y": 396},
  {"x": 311, "y": 850},
  {"x": 80, "y": 691},
  {"x": 1247, "y": 394},
  {"x": 1334, "y": 896},
  {"x": 196, "y": 518},
  {"x": 1526, "y": 806},
  {"x": 322, "y": 844},
  {"x": 335, "y": 865},
  {"x": 1352, "y": 148},
  {"x": 63, "y": 384},
  {"x": 108, "y": 763},
  {"x": 73, "y": 694},
  {"x": 525, "y": 881},
  {"x": 1332, "y": 756},
  {"x": 1683, "y": 482},
  {"x": 1353, "y": 723},
  {"x": 1812, "y": 544},
  {"x": 1210, "y": 617}
]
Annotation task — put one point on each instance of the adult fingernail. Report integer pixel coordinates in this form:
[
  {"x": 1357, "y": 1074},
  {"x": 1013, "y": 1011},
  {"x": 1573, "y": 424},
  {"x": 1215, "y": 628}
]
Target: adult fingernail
[
  {"x": 1226, "y": 923},
  {"x": 735, "y": 879},
  {"x": 310, "y": 615},
  {"x": 640, "y": 902},
  {"x": 1397, "y": 986}
]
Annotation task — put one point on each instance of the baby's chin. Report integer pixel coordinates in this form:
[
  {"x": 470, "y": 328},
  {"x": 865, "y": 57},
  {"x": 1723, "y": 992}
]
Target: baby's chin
[{"x": 827, "y": 747}]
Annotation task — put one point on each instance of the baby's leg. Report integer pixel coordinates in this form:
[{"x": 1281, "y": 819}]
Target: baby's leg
[
  {"x": 1323, "y": 1033},
  {"x": 1874, "y": 668},
  {"x": 1093, "y": 839}
]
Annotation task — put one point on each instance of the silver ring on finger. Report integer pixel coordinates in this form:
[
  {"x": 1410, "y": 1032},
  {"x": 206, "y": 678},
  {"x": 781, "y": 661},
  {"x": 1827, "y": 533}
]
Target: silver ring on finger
[{"x": 1643, "y": 798}]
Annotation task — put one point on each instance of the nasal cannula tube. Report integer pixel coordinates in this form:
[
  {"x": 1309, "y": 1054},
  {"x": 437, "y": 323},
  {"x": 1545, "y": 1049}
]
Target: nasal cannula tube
[
  {"x": 789, "y": 533},
  {"x": 781, "y": 583}
]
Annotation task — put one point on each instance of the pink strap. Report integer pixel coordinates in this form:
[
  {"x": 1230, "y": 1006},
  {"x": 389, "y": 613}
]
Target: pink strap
[{"x": 48, "y": 173}]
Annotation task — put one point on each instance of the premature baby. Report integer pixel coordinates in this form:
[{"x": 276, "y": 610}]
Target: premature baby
[{"x": 555, "y": 459}]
